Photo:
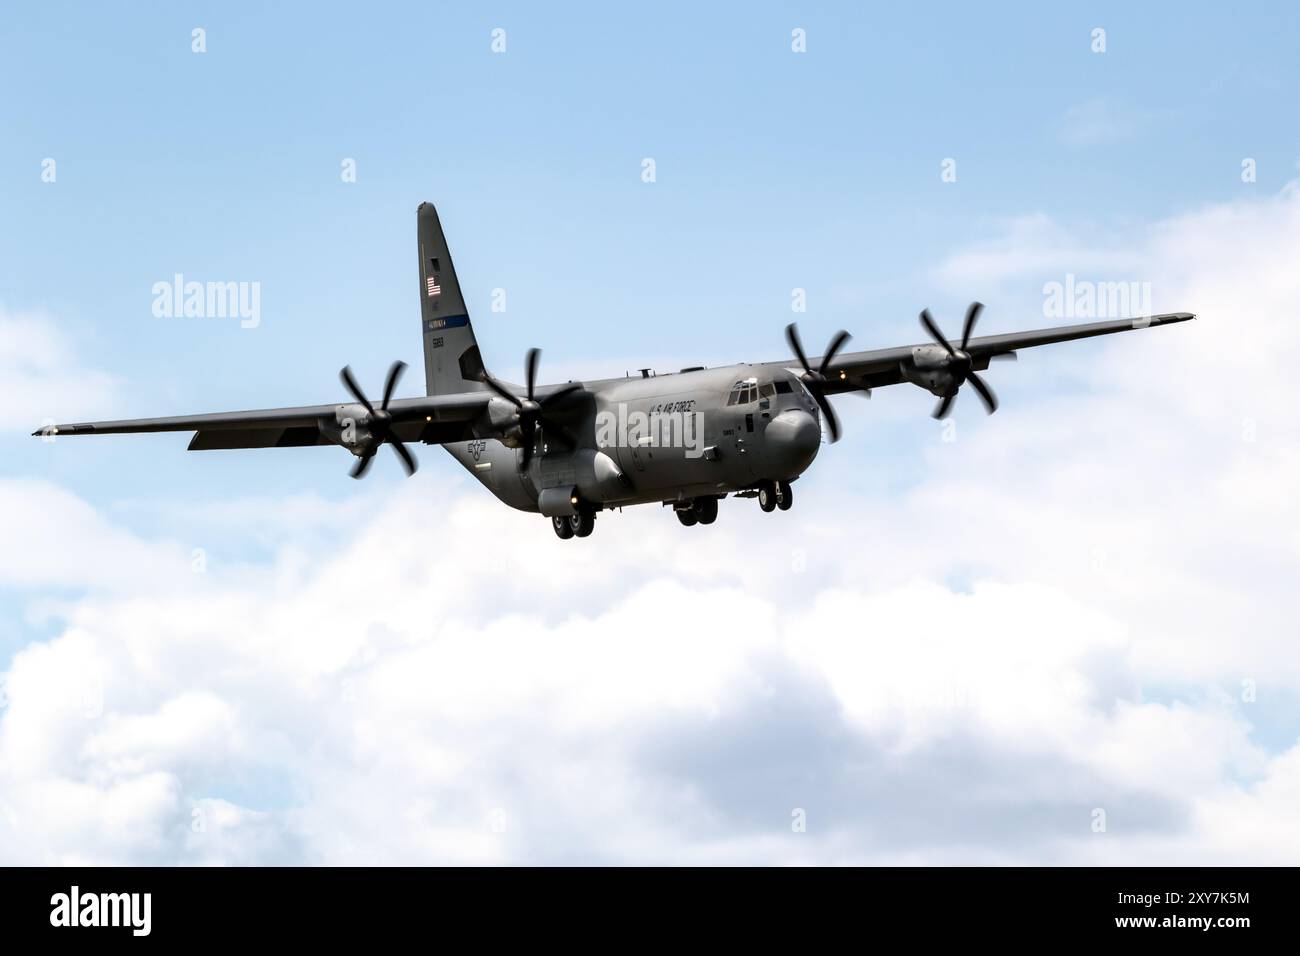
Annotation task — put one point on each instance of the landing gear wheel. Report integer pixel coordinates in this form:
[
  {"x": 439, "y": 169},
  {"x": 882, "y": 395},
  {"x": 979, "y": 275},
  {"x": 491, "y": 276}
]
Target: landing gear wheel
[
  {"x": 767, "y": 496},
  {"x": 583, "y": 523},
  {"x": 687, "y": 517},
  {"x": 561, "y": 528},
  {"x": 706, "y": 510},
  {"x": 784, "y": 496}
]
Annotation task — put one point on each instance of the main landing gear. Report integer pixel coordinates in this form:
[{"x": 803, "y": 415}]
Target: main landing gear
[
  {"x": 570, "y": 526},
  {"x": 775, "y": 494},
  {"x": 699, "y": 511}
]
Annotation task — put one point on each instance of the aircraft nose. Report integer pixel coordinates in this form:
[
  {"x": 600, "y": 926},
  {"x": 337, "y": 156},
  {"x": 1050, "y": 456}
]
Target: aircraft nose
[{"x": 793, "y": 439}]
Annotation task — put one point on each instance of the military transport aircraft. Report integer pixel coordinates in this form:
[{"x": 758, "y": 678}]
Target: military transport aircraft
[{"x": 686, "y": 440}]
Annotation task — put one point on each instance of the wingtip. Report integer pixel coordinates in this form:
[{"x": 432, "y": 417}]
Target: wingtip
[{"x": 1164, "y": 318}]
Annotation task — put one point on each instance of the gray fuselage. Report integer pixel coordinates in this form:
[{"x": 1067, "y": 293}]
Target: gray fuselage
[{"x": 707, "y": 432}]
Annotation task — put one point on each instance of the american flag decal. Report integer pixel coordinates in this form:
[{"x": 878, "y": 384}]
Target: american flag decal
[{"x": 434, "y": 288}]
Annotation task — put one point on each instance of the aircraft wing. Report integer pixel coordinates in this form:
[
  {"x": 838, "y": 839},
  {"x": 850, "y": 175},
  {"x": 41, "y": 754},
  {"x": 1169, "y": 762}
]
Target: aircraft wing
[
  {"x": 885, "y": 366},
  {"x": 434, "y": 419}
]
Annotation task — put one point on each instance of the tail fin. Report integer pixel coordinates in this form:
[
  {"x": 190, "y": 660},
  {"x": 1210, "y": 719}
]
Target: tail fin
[{"x": 452, "y": 362}]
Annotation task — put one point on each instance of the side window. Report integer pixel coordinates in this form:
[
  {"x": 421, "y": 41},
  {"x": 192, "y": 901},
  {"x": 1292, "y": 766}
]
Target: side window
[
  {"x": 783, "y": 388},
  {"x": 733, "y": 397},
  {"x": 766, "y": 390}
]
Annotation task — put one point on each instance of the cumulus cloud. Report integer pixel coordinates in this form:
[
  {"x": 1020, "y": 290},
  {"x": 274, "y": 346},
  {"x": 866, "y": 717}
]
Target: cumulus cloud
[
  {"x": 56, "y": 541},
  {"x": 1082, "y": 614},
  {"x": 44, "y": 379},
  {"x": 1035, "y": 244}
]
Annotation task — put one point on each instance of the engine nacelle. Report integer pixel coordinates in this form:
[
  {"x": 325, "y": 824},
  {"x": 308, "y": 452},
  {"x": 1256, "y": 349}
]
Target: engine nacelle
[
  {"x": 350, "y": 428},
  {"x": 503, "y": 420},
  {"x": 929, "y": 367}
]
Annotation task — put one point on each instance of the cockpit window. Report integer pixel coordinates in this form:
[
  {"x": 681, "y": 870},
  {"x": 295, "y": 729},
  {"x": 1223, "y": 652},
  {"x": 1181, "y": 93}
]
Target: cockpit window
[
  {"x": 742, "y": 393},
  {"x": 783, "y": 388}
]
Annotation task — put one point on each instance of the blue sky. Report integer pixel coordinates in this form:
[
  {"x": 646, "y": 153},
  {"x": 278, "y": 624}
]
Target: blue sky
[{"x": 775, "y": 170}]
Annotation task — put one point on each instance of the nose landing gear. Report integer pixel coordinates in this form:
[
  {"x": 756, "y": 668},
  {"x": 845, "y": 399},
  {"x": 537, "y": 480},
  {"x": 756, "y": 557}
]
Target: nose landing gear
[
  {"x": 784, "y": 496},
  {"x": 775, "y": 494}
]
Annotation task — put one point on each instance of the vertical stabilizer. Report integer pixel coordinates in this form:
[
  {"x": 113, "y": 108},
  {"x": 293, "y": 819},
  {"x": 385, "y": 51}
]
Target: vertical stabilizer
[{"x": 452, "y": 362}]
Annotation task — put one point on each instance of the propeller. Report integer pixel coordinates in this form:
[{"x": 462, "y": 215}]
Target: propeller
[
  {"x": 530, "y": 411},
  {"x": 960, "y": 364},
  {"x": 814, "y": 379},
  {"x": 380, "y": 423}
]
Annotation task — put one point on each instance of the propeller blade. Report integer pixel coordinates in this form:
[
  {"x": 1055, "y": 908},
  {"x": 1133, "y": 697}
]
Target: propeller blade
[
  {"x": 985, "y": 393},
  {"x": 559, "y": 436},
  {"x": 945, "y": 403},
  {"x": 350, "y": 383},
  {"x": 409, "y": 464},
  {"x": 832, "y": 423},
  {"x": 362, "y": 465},
  {"x": 792, "y": 336},
  {"x": 972, "y": 316},
  {"x": 562, "y": 392},
  {"x": 837, "y": 343},
  {"x": 394, "y": 376},
  {"x": 927, "y": 322},
  {"x": 530, "y": 367},
  {"x": 527, "y": 440},
  {"x": 501, "y": 390}
]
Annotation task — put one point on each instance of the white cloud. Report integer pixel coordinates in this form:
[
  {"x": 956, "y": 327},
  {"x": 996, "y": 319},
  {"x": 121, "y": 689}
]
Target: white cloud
[
  {"x": 1032, "y": 246},
  {"x": 43, "y": 379},
  {"x": 1058, "y": 619}
]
